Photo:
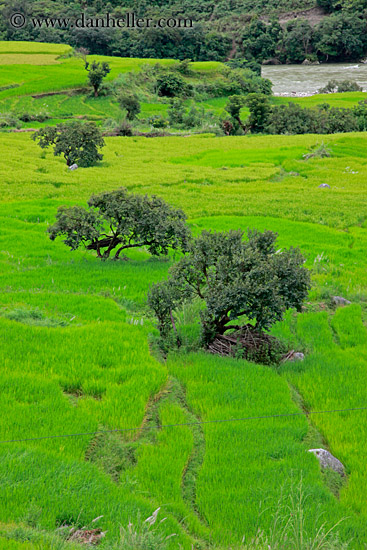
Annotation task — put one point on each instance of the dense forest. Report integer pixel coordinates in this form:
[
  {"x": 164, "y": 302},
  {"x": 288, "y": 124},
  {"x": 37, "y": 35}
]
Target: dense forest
[{"x": 265, "y": 31}]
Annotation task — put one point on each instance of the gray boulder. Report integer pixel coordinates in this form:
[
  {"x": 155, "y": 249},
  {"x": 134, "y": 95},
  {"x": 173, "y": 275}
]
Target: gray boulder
[
  {"x": 340, "y": 301},
  {"x": 294, "y": 356},
  {"x": 73, "y": 167},
  {"x": 324, "y": 186},
  {"x": 328, "y": 461}
]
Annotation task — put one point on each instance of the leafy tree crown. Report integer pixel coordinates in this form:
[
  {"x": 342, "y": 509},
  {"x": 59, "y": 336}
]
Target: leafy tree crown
[
  {"x": 96, "y": 73},
  {"x": 122, "y": 220},
  {"x": 234, "y": 279},
  {"x": 78, "y": 142}
]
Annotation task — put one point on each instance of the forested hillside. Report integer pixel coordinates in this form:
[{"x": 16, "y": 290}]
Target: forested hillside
[{"x": 270, "y": 31}]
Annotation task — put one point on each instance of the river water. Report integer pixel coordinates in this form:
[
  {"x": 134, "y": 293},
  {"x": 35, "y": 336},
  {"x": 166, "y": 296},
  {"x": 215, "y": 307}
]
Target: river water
[{"x": 301, "y": 80}]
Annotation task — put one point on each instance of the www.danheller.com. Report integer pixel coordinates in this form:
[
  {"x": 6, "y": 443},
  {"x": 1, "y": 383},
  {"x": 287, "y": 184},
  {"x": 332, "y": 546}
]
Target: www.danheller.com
[{"x": 127, "y": 21}]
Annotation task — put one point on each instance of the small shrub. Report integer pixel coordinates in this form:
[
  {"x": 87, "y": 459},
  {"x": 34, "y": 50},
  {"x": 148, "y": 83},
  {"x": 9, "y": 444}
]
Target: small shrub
[
  {"x": 319, "y": 150},
  {"x": 183, "y": 67},
  {"x": 8, "y": 120},
  {"x": 335, "y": 86},
  {"x": 33, "y": 117},
  {"x": 158, "y": 121},
  {"x": 170, "y": 84},
  {"x": 176, "y": 111},
  {"x": 124, "y": 128},
  {"x": 130, "y": 103},
  {"x": 143, "y": 535}
]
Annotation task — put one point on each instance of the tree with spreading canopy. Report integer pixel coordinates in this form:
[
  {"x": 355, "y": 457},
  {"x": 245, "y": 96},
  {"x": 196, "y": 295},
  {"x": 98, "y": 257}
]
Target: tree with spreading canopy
[
  {"x": 235, "y": 280},
  {"x": 122, "y": 220},
  {"x": 78, "y": 142}
]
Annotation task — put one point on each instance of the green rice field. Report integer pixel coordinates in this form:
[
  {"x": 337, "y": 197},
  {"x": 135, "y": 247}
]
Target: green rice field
[{"x": 75, "y": 337}]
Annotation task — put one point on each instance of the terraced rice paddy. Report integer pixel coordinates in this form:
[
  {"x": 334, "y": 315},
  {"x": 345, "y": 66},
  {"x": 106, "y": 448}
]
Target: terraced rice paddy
[{"x": 75, "y": 356}]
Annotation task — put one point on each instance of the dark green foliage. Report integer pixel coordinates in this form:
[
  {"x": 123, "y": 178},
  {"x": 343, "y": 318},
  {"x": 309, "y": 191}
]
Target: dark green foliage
[
  {"x": 78, "y": 225},
  {"x": 234, "y": 279},
  {"x": 297, "y": 40},
  {"x": 258, "y": 41},
  {"x": 236, "y": 81},
  {"x": 341, "y": 36},
  {"x": 158, "y": 121},
  {"x": 219, "y": 30},
  {"x": 183, "y": 67},
  {"x": 335, "y": 86},
  {"x": 170, "y": 84},
  {"x": 176, "y": 111},
  {"x": 259, "y": 111},
  {"x": 332, "y": 120},
  {"x": 360, "y": 114},
  {"x": 233, "y": 108},
  {"x": 130, "y": 103},
  {"x": 293, "y": 119},
  {"x": 78, "y": 142},
  {"x": 245, "y": 81},
  {"x": 96, "y": 73},
  {"x": 240, "y": 63},
  {"x": 181, "y": 117},
  {"x": 124, "y": 220}
]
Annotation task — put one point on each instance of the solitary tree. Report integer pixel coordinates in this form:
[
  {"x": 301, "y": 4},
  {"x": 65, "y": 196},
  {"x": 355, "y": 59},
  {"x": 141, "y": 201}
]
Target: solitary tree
[
  {"x": 130, "y": 103},
  {"x": 260, "y": 110},
  {"x": 122, "y": 220},
  {"x": 233, "y": 107},
  {"x": 78, "y": 142},
  {"x": 96, "y": 73},
  {"x": 233, "y": 279}
]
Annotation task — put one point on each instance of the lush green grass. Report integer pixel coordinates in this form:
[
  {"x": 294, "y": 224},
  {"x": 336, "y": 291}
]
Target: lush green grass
[
  {"x": 20, "y": 47},
  {"x": 247, "y": 462},
  {"x": 264, "y": 176},
  {"x": 66, "y": 73},
  {"x": 75, "y": 357},
  {"x": 333, "y": 376},
  {"x": 74, "y": 332},
  {"x": 346, "y": 99},
  {"x": 50, "y": 73}
]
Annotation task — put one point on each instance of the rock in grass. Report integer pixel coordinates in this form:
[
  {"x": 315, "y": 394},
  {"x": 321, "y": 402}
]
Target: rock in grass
[
  {"x": 73, "y": 167},
  {"x": 294, "y": 356},
  {"x": 328, "y": 461},
  {"x": 340, "y": 301},
  {"x": 324, "y": 186}
]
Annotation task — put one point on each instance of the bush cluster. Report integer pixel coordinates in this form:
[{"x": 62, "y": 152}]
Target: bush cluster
[{"x": 292, "y": 118}]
